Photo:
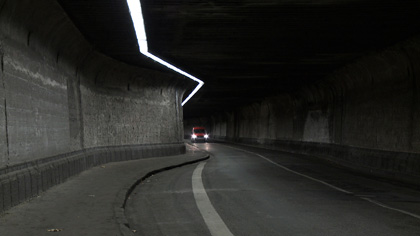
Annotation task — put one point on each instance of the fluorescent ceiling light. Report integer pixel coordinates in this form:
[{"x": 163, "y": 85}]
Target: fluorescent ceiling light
[{"x": 138, "y": 21}]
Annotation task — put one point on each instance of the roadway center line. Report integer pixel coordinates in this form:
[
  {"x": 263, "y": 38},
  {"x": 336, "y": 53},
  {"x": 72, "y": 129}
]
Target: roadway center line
[
  {"x": 214, "y": 222},
  {"x": 329, "y": 185}
]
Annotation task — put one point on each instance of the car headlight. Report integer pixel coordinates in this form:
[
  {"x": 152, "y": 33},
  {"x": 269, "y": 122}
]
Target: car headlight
[
  {"x": 206, "y": 136},
  {"x": 194, "y": 136}
]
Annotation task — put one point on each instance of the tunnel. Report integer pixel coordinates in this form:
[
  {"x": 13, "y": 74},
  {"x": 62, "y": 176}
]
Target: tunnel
[{"x": 337, "y": 80}]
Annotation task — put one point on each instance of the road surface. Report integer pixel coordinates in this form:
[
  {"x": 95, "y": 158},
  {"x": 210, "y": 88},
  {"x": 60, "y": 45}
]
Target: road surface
[{"x": 248, "y": 191}]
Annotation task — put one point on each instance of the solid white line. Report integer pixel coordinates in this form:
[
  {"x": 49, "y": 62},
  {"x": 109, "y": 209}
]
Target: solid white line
[
  {"x": 295, "y": 172},
  {"x": 330, "y": 185},
  {"x": 391, "y": 208},
  {"x": 214, "y": 222}
]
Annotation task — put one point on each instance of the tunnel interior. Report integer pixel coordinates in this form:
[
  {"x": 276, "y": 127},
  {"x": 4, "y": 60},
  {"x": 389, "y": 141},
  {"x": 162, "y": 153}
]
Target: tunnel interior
[
  {"x": 334, "y": 79},
  {"x": 247, "y": 50}
]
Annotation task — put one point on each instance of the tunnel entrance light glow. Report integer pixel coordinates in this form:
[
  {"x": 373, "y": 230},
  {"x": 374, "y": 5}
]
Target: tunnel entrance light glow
[{"x": 138, "y": 21}]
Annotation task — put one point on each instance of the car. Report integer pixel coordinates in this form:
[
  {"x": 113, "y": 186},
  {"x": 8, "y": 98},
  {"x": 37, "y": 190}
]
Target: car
[{"x": 199, "y": 134}]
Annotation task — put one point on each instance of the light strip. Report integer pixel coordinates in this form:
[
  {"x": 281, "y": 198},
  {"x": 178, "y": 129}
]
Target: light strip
[{"x": 138, "y": 21}]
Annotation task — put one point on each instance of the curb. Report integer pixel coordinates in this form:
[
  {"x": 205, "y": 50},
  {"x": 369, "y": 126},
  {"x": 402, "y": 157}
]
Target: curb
[
  {"x": 24, "y": 181},
  {"x": 119, "y": 208}
]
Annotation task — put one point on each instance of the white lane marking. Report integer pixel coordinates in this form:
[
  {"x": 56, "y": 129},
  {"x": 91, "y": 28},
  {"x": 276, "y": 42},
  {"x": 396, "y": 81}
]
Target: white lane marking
[
  {"x": 330, "y": 185},
  {"x": 391, "y": 208},
  {"x": 295, "y": 172},
  {"x": 214, "y": 222}
]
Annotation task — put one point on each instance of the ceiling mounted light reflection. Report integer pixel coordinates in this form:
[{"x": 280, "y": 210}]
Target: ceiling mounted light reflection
[{"x": 138, "y": 21}]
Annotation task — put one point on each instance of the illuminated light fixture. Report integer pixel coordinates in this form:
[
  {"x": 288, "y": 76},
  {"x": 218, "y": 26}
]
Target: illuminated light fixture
[{"x": 138, "y": 21}]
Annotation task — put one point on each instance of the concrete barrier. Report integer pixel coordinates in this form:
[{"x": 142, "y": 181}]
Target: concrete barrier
[{"x": 19, "y": 183}]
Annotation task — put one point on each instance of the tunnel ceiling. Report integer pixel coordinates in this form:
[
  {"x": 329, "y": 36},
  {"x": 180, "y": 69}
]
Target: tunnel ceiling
[{"x": 245, "y": 50}]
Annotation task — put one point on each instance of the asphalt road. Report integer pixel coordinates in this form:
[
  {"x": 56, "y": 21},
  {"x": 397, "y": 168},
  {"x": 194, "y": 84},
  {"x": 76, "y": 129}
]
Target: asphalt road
[{"x": 249, "y": 191}]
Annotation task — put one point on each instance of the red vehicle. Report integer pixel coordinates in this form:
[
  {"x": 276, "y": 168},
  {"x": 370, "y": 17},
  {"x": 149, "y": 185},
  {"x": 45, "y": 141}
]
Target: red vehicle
[{"x": 199, "y": 134}]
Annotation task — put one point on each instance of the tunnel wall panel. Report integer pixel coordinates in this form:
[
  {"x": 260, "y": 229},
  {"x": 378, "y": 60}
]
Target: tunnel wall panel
[
  {"x": 120, "y": 120},
  {"x": 378, "y": 118},
  {"x": 370, "y": 104},
  {"x": 36, "y": 101},
  {"x": 364, "y": 116},
  {"x": 3, "y": 135},
  {"x": 59, "y": 95}
]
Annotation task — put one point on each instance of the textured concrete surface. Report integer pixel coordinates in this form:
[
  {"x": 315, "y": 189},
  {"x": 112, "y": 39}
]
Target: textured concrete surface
[
  {"x": 36, "y": 100},
  {"x": 3, "y": 133},
  {"x": 365, "y": 115},
  {"x": 372, "y": 103},
  {"x": 89, "y": 203},
  {"x": 19, "y": 183},
  {"x": 65, "y": 107},
  {"x": 59, "y": 95}
]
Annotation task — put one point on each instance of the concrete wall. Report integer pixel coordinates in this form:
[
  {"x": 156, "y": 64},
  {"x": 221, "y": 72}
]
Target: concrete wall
[
  {"x": 59, "y": 95},
  {"x": 367, "y": 107},
  {"x": 135, "y": 109},
  {"x": 21, "y": 182}
]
